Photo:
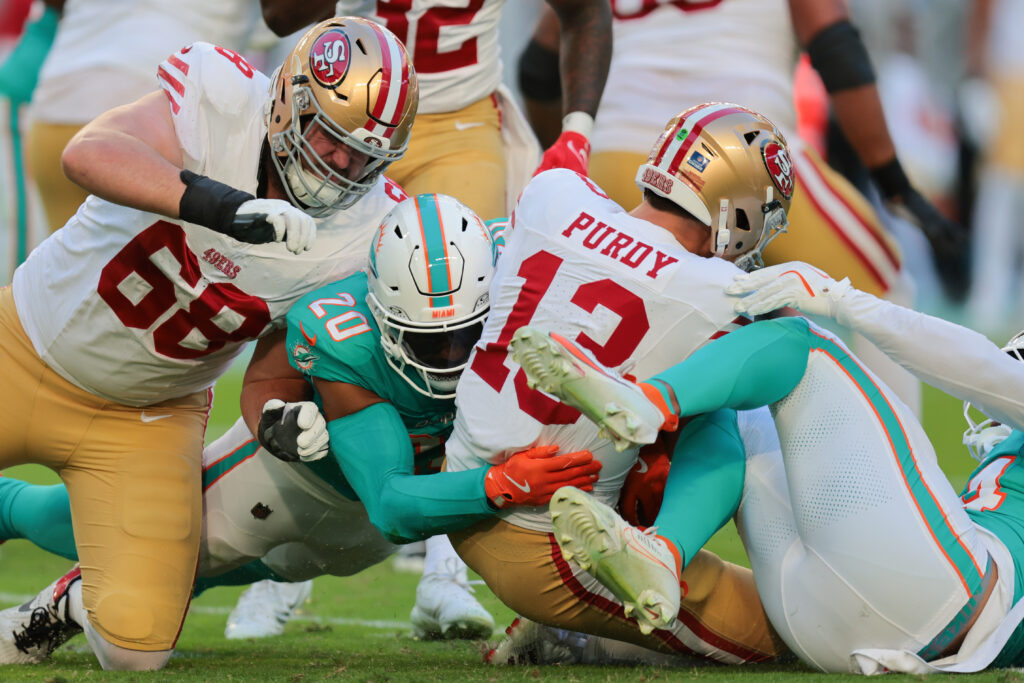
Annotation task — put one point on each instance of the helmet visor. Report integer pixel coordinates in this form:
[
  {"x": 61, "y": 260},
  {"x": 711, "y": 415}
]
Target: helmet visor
[{"x": 442, "y": 350}]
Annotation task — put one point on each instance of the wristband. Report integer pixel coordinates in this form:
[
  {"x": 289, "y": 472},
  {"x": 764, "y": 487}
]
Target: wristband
[
  {"x": 891, "y": 179},
  {"x": 578, "y": 122},
  {"x": 210, "y": 203}
]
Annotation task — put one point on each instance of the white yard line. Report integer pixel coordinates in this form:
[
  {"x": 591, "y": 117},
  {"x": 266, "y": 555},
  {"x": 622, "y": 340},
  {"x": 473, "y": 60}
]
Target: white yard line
[{"x": 10, "y": 599}]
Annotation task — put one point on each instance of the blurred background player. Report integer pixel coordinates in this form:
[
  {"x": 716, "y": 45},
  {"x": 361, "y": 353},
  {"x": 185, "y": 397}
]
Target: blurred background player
[
  {"x": 177, "y": 265},
  {"x": 672, "y": 54},
  {"x": 997, "y": 59},
  {"x": 470, "y": 139},
  {"x": 25, "y": 38},
  {"x": 104, "y": 55}
]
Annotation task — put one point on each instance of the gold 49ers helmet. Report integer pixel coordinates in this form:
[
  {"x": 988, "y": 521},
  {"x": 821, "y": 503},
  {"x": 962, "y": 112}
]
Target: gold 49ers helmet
[
  {"x": 730, "y": 168},
  {"x": 353, "y": 79}
]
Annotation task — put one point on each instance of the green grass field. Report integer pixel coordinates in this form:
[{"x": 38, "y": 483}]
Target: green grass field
[{"x": 357, "y": 628}]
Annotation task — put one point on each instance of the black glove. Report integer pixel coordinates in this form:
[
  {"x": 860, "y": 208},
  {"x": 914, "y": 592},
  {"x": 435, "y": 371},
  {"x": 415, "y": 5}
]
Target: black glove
[
  {"x": 948, "y": 238},
  {"x": 293, "y": 431}
]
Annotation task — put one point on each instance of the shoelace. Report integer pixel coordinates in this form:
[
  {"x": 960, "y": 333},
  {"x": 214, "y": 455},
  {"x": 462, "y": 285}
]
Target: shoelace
[
  {"x": 453, "y": 572},
  {"x": 38, "y": 632}
]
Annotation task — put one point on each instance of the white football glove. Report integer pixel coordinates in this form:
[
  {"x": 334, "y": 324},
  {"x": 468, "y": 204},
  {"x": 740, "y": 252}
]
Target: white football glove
[
  {"x": 293, "y": 431},
  {"x": 795, "y": 284},
  {"x": 291, "y": 225}
]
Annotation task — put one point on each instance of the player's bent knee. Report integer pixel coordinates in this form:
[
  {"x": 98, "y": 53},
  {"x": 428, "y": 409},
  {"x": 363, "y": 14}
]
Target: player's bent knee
[
  {"x": 116, "y": 658},
  {"x": 132, "y": 622}
]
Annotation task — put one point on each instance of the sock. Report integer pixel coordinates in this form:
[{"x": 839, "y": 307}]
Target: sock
[
  {"x": 441, "y": 558},
  {"x": 662, "y": 396},
  {"x": 75, "y": 608}
]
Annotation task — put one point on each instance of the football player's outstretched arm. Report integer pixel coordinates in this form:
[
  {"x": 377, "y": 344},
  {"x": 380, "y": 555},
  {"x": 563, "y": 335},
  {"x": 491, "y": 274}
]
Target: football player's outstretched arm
[
  {"x": 837, "y": 53},
  {"x": 955, "y": 359},
  {"x": 372, "y": 447},
  {"x": 130, "y": 155}
]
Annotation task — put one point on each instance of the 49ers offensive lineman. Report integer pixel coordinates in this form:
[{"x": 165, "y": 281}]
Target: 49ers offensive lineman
[{"x": 197, "y": 239}]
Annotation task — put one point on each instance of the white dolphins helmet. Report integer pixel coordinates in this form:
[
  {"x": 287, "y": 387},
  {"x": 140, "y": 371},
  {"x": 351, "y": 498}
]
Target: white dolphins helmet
[
  {"x": 980, "y": 437},
  {"x": 431, "y": 266}
]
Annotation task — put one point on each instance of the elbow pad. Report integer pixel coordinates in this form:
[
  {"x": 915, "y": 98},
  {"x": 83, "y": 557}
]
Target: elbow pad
[{"x": 839, "y": 56}]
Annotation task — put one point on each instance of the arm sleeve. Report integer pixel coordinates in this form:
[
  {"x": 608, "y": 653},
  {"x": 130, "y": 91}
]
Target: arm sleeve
[
  {"x": 372, "y": 448},
  {"x": 957, "y": 360}
]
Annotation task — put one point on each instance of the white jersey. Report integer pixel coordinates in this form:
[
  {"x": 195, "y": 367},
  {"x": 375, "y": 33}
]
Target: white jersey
[
  {"x": 678, "y": 54},
  {"x": 138, "y": 308},
  {"x": 577, "y": 264},
  {"x": 106, "y": 51},
  {"x": 452, "y": 43},
  {"x": 959, "y": 361}
]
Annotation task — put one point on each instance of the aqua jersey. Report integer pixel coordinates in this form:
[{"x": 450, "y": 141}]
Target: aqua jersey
[
  {"x": 333, "y": 336},
  {"x": 994, "y": 498}
]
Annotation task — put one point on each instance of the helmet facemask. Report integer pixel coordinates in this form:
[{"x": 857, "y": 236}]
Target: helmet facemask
[
  {"x": 308, "y": 180},
  {"x": 348, "y": 81},
  {"x": 981, "y": 437},
  {"x": 436, "y": 356}
]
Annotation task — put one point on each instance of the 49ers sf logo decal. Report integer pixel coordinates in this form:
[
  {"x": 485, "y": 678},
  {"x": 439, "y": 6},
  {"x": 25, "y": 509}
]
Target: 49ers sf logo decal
[
  {"x": 780, "y": 168},
  {"x": 329, "y": 57}
]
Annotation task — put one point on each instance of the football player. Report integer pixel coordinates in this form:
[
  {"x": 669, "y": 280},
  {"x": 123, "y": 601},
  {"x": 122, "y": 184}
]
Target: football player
[
  {"x": 197, "y": 238},
  {"x": 670, "y": 53},
  {"x": 639, "y": 289},
  {"x": 380, "y": 353},
  {"x": 864, "y": 556},
  {"x": 470, "y": 140}
]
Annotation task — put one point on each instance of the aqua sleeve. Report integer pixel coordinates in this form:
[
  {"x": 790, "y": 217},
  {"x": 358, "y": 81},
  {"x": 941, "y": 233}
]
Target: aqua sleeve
[
  {"x": 752, "y": 367},
  {"x": 19, "y": 73},
  {"x": 372, "y": 448},
  {"x": 705, "y": 481}
]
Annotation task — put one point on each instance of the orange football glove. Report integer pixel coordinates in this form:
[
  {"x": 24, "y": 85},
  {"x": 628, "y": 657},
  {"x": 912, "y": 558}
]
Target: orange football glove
[
  {"x": 532, "y": 476},
  {"x": 644, "y": 488},
  {"x": 571, "y": 150}
]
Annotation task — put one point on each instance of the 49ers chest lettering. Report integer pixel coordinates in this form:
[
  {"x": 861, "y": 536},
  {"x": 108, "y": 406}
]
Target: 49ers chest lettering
[{"x": 616, "y": 245}]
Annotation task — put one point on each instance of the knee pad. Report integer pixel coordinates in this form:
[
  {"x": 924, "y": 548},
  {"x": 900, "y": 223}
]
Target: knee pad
[{"x": 115, "y": 658}]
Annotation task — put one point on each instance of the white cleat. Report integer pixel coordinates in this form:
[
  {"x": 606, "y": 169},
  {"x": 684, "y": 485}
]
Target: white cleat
[
  {"x": 265, "y": 607},
  {"x": 445, "y": 608},
  {"x": 555, "y": 365},
  {"x": 636, "y": 566},
  {"x": 29, "y": 633},
  {"x": 527, "y": 642}
]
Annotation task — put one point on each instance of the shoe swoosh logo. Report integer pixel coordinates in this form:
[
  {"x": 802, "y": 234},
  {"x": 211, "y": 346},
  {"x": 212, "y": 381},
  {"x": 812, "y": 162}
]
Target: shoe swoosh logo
[
  {"x": 525, "y": 488},
  {"x": 153, "y": 418},
  {"x": 311, "y": 340},
  {"x": 641, "y": 466},
  {"x": 459, "y": 125}
]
